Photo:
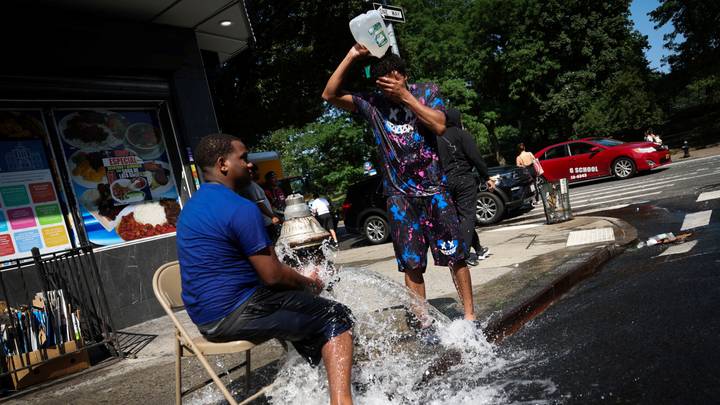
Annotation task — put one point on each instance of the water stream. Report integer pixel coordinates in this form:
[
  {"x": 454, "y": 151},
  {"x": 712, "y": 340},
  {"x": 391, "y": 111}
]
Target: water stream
[{"x": 390, "y": 364}]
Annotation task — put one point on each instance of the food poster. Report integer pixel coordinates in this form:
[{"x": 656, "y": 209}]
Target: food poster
[
  {"x": 120, "y": 172},
  {"x": 30, "y": 213}
]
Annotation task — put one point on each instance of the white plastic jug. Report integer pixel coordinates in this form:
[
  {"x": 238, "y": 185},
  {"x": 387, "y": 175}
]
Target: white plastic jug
[{"x": 369, "y": 30}]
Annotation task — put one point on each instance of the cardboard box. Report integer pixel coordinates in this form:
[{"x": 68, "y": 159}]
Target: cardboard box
[{"x": 47, "y": 364}]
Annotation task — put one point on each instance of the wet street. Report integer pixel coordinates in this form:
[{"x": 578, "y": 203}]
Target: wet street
[{"x": 644, "y": 329}]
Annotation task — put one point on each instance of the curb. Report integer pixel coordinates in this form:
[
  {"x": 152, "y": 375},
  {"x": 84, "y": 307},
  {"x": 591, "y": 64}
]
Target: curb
[{"x": 513, "y": 319}]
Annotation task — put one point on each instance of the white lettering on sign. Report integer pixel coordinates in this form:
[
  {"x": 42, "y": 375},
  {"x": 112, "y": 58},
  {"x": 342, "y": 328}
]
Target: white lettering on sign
[{"x": 581, "y": 172}]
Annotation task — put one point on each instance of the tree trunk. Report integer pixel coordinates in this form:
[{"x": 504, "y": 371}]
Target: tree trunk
[{"x": 494, "y": 144}]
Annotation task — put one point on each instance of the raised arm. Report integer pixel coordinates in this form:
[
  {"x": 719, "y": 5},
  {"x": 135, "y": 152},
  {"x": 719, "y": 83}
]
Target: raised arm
[
  {"x": 395, "y": 87},
  {"x": 333, "y": 93}
]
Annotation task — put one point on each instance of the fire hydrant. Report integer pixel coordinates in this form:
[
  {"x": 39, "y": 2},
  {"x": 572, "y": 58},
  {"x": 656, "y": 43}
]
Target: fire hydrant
[{"x": 686, "y": 149}]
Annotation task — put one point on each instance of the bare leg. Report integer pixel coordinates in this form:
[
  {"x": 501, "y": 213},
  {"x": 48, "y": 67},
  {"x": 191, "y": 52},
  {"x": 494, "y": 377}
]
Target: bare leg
[
  {"x": 415, "y": 282},
  {"x": 334, "y": 235},
  {"x": 337, "y": 355},
  {"x": 463, "y": 285}
]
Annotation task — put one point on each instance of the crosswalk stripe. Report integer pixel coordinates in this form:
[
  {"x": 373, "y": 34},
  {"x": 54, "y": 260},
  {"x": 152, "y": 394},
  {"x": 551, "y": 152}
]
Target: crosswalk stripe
[
  {"x": 593, "y": 198},
  {"x": 696, "y": 219},
  {"x": 613, "y": 200},
  {"x": 620, "y": 185},
  {"x": 709, "y": 195},
  {"x": 678, "y": 249}
]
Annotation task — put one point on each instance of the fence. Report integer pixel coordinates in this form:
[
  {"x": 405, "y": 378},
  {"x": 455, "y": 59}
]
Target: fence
[{"x": 50, "y": 334}]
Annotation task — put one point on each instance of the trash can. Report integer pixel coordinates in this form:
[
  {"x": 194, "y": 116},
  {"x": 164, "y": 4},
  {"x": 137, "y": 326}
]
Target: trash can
[{"x": 556, "y": 201}]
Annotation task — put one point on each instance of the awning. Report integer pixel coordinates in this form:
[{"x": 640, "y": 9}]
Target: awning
[{"x": 221, "y": 26}]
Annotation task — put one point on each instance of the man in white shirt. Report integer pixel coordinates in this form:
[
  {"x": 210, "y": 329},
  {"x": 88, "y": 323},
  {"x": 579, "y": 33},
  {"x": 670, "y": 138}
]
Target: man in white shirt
[
  {"x": 321, "y": 208},
  {"x": 256, "y": 194}
]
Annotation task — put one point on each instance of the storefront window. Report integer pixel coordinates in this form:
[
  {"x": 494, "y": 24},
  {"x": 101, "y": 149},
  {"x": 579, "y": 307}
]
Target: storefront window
[
  {"x": 120, "y": 172},
  {"x": 30, "y": 211}
]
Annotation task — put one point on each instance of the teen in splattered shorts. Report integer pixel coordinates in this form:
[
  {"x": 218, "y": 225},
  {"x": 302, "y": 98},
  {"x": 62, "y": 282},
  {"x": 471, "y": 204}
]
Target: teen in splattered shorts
[{"x": 417, "y": 223}]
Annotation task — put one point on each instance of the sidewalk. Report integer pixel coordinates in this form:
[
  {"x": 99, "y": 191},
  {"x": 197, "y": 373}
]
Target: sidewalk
[{"x": 529, "y": 267}]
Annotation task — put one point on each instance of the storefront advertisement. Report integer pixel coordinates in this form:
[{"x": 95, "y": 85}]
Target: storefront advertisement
[
  {"x": 120, "y": 172},
  {"x": 30, "y": 213}
]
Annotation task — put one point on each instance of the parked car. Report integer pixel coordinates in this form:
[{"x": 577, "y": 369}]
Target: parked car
[
  {"x": 365, "y": 211},
  {"x": 593, "y": 158}
]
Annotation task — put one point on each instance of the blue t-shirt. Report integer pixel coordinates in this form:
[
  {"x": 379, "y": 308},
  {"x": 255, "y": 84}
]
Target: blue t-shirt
[
  {"x": 407, "y": 149},
  {"x": 216, "y": 233}
]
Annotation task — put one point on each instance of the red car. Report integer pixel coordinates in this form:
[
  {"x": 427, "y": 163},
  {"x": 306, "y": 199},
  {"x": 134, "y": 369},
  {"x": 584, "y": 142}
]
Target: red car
[{"x": 592, "y": 158}]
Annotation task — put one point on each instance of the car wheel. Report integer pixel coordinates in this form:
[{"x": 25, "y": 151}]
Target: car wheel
[
  {"x": 623, "y": 168},
  {"x": 376, "y": 229},
  {"x": 489, "y": 208}
]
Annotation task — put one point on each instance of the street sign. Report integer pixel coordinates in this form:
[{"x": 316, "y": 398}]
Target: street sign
[{"x": 390, "y": 13}]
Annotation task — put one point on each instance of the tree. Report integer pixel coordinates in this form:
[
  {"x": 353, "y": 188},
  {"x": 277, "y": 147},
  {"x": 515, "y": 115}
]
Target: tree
[
  {"x": 330, "y": 151},
  {"x": 696, "y": 37}
]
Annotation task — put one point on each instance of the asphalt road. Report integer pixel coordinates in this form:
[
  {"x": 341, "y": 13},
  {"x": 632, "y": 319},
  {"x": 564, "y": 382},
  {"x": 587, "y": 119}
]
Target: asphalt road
[
  {"x": 646, "y": 328},
  {"x": 596, "y": 196}
]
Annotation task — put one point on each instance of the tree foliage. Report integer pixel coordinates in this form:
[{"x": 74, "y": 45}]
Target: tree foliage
[
  {"x": 533, "y": 71},
  {"x": 330, "y": 151}
]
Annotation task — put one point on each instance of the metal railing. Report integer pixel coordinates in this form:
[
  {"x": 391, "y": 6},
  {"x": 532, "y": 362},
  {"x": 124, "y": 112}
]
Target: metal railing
[{"x": 68, "y": 315}]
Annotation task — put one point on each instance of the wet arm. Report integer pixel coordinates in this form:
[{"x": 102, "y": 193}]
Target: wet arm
[
  {"x": 333, "y": 93},
  {"x": 273, "y": 273}
]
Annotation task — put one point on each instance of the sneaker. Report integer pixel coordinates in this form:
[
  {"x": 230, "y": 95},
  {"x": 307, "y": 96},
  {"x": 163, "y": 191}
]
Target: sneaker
[
  {"x": 472, "y": 259},
  {"x": 483, "y": 253}
]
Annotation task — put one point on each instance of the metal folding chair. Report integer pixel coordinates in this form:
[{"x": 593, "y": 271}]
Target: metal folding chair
[{"x": 167, "y": 288}]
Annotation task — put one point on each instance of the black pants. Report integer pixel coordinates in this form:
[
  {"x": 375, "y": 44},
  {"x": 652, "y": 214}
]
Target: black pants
[{"x": 463, "y": 191}]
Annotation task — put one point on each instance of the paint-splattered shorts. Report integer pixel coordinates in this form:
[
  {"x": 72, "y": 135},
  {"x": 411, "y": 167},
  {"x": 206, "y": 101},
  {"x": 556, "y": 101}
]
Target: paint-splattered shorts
[{"x": 417, "y": 223}]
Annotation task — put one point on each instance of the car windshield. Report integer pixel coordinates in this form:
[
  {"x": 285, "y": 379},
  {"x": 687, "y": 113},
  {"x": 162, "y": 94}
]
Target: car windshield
[{"x": 607, "y": 142}]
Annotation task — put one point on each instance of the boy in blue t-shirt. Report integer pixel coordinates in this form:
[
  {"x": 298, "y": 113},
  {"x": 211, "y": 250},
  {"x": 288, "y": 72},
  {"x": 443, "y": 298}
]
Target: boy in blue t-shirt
[{"x": 233, "y": 285}]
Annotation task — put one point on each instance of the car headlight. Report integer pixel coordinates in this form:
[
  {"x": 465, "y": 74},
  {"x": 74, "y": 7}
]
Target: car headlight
[{"x": 644, "y": 150}]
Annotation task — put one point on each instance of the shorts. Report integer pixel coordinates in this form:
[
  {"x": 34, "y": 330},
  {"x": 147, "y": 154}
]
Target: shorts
[
  {"x": 417, "y": 223},
  {"x": 305, "y": 320},
  {"x": 326, "y": 221}
]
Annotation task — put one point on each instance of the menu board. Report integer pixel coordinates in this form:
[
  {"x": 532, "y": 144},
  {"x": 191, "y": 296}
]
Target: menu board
[
  {"x": 120, "y": 172},
  {"x": 30, "y": 214}
]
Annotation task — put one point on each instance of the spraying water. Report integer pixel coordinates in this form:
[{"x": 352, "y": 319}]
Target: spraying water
[{"x": 391, "y": 365}]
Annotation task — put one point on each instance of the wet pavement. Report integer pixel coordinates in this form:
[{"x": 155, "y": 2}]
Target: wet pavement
[{"x": 644, "y": 329}]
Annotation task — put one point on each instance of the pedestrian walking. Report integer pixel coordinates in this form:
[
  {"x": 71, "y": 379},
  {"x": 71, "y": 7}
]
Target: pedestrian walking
[
  {"x": 527, "y": 159},
  {"x": 320, "y": 207},
  {"x": 405, "y": 120},
  {"x": 459, "y": 155}
]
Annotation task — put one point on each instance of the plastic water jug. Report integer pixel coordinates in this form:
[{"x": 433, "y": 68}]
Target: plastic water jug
[{"x": 369, "y": 30}]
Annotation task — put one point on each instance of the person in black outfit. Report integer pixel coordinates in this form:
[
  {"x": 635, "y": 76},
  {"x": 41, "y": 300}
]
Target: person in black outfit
[{"x": 458, "y": 155}]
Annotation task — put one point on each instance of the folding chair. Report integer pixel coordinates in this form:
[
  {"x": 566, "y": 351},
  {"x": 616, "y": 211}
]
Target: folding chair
[{"x": 167, "y": 288}]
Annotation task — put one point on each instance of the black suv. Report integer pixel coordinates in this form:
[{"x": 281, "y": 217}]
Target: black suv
[{"x": 364, "y": 209}]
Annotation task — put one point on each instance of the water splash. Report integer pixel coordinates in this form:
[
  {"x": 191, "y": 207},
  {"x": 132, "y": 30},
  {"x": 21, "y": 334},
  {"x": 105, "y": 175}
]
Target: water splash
[{"x": 391, "y": 365}]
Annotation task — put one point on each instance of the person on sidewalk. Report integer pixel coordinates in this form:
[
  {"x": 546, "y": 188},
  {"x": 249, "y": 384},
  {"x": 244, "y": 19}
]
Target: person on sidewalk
[
  {"x": 233, "y": 285},
  {"x": 320, "y": 207},
  {"x": 274, "y": 193},
  {"x": 405, "y": 120},
  {"x": 458, "y": 155},
  {"x": 255, "y": 193},
  {"x": 527, "y": 159}
]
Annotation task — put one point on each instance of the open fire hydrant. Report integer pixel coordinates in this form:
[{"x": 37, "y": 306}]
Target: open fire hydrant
[{"x": 301, "y": 231}]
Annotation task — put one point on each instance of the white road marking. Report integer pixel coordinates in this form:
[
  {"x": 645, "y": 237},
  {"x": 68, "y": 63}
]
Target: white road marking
[
  {"x": 677, "y": 249},
  {"x": 642, "y": 190},
  {"x": 515, "y": 227},
  {"x": 696, "y": 219},
  {"x": 710, "y": 195},
  {"x": 702, "y": 169},
  {"x": 620, "y": 185},
  {"x": 586, "y": 236},
  {"x": 691, "y": 161},
  {"x": 613, "y": 200}
]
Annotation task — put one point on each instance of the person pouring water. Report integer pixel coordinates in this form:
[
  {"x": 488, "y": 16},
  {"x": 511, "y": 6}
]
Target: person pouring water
[{"x": 405, "y": 120}]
